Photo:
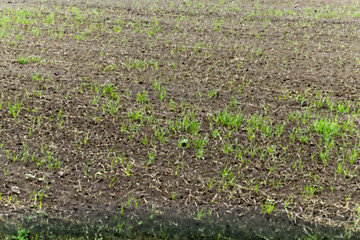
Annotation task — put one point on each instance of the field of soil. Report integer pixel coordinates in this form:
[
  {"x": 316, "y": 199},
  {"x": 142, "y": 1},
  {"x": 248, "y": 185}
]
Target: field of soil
[{"x": 179, "y": 119}]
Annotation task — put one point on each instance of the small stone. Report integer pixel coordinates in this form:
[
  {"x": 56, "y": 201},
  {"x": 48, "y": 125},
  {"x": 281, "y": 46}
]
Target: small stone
[
  {"x": 62, "y": 174},
  {"x": 15, "y": 189}
]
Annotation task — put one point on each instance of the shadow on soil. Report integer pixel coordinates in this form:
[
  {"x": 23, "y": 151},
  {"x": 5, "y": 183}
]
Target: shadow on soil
[{"x": 162, "y": 225}]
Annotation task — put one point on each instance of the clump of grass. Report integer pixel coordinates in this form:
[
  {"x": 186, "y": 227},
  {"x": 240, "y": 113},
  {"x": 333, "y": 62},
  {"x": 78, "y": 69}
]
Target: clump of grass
[{"x": 29, "y": 59}]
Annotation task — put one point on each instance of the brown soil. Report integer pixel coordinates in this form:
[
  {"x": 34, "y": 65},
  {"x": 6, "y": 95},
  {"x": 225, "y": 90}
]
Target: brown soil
[{"x": 70, "y": 121}]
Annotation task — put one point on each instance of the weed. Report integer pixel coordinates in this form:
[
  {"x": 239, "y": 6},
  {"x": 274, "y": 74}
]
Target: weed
[{"x": 22, "y": 234}]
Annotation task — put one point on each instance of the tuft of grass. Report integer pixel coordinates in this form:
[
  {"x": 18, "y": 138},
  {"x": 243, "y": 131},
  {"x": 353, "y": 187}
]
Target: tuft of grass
[{"x": 29, "y": 59}]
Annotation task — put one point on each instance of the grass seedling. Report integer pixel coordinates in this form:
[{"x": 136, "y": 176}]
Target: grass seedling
[
  {"x": 160, "y": 133},
  {"x": 151, "y": 158},
  {"x": 111, "y": 182},
  {"x": 200, "y": 213},
  {"x": 309, "y": 190},
  {"x": 268, "y": 207},
  {"x": 176, "y": 170},
  {"x": 227, "y": 148},
  {"x": 128, "y": 169},
  {"x": 173, "y": 195},
  {"x": 212, "y": 93},
  {"x": 225, "y": 172},
  {"x": 14, "y": 109},
  {"x": 171, "y": 104},
  {"x": 141, "y": 97}
]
